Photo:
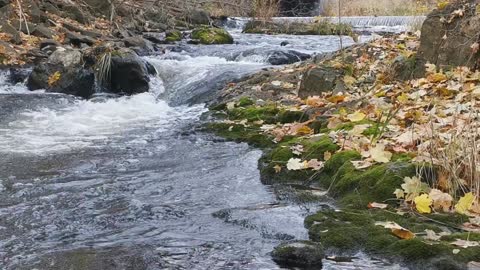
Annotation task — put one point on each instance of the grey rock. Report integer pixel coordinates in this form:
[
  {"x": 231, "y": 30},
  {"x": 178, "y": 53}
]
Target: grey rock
[
  {"x": 318, "y": 80},
  {"x": 455, "y": 49},
  {"x": 7, "y": 28},
  {"x": 299, "y": 254},
  {"x": 43, "y": 31},
  {"x": 198, "y": 16},
  {"x": 74, "y": 78},
  {"x": 75, "y": 13},
  {"x": 129, "y": 73}
]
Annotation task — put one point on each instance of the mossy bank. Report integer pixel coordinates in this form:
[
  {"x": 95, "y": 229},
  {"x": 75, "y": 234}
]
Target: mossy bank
[{"x": 353, "y": 227}]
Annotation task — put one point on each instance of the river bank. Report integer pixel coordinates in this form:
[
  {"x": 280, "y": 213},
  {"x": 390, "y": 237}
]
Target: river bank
[{"x": 359, "y": 125}]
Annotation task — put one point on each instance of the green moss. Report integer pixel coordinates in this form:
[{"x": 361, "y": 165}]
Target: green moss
[
  {"x": 245, "y": 101},
  {"x": 338, "y": 160},
  {"x": 173, "y": 36},
  {"x": 211, "y": 35},
  {"x": 268, "y": 113},
  {"x": 286, "y": 116},
  {"x": 240, "y": 133},
  {"x": 347, "y": 232}
]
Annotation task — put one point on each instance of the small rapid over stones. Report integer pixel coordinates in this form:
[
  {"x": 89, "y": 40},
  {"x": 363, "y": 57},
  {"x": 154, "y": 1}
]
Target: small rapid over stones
[{"x": 130, "y": 183}]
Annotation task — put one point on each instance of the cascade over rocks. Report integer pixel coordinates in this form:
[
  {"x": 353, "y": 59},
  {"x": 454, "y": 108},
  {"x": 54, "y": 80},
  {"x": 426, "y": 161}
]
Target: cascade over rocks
[{"x": 448, "y": 36}]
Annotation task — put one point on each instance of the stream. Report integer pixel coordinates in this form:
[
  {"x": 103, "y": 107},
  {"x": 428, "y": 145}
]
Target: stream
[{"x": 130, "y": 182}]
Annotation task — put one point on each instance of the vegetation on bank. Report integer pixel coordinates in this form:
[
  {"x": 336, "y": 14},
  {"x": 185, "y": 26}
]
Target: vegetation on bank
[{"x": 395, "y": 143}]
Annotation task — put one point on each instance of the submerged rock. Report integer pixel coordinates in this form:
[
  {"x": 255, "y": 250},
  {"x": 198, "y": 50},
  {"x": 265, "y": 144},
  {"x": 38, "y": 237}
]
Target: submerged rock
[
  {"x": 299, "y": 254},
  {"x": 274, "y": 57},
  {"x": 212, "y": 35}
]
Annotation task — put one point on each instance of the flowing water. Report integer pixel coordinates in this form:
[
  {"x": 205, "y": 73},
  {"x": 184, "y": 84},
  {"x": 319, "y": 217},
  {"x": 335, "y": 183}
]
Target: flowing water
[{"x": 129, "y": 182}]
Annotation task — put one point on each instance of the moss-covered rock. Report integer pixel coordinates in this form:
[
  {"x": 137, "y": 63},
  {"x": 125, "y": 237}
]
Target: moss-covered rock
[
  {"x": 212, "y": 35},
  {"x": 299, "y": 254},
  {"x": 240, "y": 133},
  {"x": 314, "y": 148},
  {"x": 349, "y": 231}
]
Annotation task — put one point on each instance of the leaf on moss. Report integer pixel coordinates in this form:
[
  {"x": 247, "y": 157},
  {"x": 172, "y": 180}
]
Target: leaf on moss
[
  {"x": 423, "y": 203},
  {"x": 465, "y": 203},
  {"x": 379, "y": 154},
  {"x": 441, "y": 200},
  {"x": 377, "y": 205},
  {"x": 465, "y": 243},
  {"x": 399, "y": 193},
  {"x": 296, "y": 164},
  {"x": 397, "y": 230}
]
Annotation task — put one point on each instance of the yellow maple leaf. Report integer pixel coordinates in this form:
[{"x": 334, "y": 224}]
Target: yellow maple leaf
[
  {"x": 356, "y": 116},
  {"x": 54, "y": 78},
  {"x": 423, "y": 203},
  {"x": 465, "y": 203},
  {"x": 379, "y": 154}
]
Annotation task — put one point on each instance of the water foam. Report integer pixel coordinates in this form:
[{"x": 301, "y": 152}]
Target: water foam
[{"x": 88, "y": 123}]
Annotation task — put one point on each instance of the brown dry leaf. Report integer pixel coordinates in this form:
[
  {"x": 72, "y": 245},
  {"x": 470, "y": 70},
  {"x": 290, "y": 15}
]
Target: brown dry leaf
[
  {"x": 397, "y": 230},
  {"x": 441, "y": 201},
  {"x": 465, "y": 243},
  {"x": 437, "y": 77},
  {"x": 327, "y": 155},
  {"x": 277, "y": 168},
  {"x": 336, "y": 99},
  {"x": 377, "y": 205}
]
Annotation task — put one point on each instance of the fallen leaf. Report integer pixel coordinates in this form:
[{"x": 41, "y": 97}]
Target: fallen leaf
[
  {"x": 397, "y": 230},
  {"x": 304, "y": 130},
  {"x": 295, "y": 164},
  {"x": 297, "y": 149},
  {"x": 456, "y": 251},
  {"x": 465, "y": 243},
  {"x": 441, "y": 200},
  {"x": 379, "y": 154},
  {"x": 54, "y": 78},
  {"x": 423, "y": 203},
  {"x": 231, "y": 105},
  {"x": 399, "y": 193},
  {"x": 361, "y": 164},
  {"x": 327, "y": 155},
  {"x": 465, "y": 203},
  {"x": 356, "y": 116},
  {"x": 277, "y": 168},
  {"x": 377, "y": 205},
  {"x": 412, "y": 186},
  {"x": 315, "y": 164},
  {"x": 276, "y": 83},
  {"x": 432, "y": 235}
]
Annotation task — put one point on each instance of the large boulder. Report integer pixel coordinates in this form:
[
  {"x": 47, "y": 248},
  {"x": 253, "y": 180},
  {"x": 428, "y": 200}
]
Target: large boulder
[
  {"x": 129, "y": 73},
  {"x": 450, "y": 37},
  {"x": 74, "y": 72},
  {"x": 63, "y": 72},
  {"x": 212, "y": 35},
  {"x": 321, "y": 79}
]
